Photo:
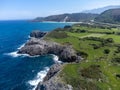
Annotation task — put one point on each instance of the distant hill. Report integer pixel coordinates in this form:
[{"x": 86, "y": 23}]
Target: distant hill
[
  {"x": 100, "y": 10},
  {"x": 74, "y": 17},
  {"x": 109, "y": 16}
]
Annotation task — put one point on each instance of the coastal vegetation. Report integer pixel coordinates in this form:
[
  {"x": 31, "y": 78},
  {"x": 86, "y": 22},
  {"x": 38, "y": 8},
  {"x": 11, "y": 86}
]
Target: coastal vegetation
[{"x": 99, "y": 46}]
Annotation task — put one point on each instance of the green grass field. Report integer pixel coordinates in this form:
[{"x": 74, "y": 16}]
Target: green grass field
[{"x": 96, "y": 71}]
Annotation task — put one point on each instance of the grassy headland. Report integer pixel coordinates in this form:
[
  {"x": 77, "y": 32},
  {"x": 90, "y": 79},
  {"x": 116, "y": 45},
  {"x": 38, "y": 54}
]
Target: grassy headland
[{"x": 100, "y": 48}]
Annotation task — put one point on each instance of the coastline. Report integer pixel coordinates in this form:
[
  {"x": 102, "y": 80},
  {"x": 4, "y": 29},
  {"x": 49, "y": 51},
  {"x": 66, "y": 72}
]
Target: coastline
[
  {"x": 38, "y": 46},
  {"x": 39, "y": 78},
  {"x": 41, "y": 74},
  {"x": 60, "y": 22}
]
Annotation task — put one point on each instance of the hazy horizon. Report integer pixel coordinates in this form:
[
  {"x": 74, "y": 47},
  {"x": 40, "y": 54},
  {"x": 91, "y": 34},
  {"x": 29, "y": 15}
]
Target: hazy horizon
[{"x": 29, "y": 9}]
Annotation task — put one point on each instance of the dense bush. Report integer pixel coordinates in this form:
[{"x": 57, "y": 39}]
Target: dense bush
[
  {"x": 118, "y": 75},
  {"x": 83, "y": 54},
  {"x": 109, "y": 40},
  {"x": 116, "y": 60},
  {"x": 102, "y": 40},
  {"x": 118, "y": 33},
  {"x": 94, "y": 38},
  {"x": 106, "y": 51},
  {"x": 79, "y": 84},
  {"x": 57, "y": 34},
  {"x": 95, "y": 46},
  {"x": 118, "y": 50},
  {"x": 92, "y": 71},
  {"x": 81, "y": 31}
]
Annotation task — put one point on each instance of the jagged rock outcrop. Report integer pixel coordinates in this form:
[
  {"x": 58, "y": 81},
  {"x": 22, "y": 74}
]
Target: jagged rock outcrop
[
  {"x": 52, "y": 81},
  {"x": 53, "y": 70},
  {"x": 37, "y": 34},
  {"x": 53, "y": 84},
  {"x": 37, "y": 46}
]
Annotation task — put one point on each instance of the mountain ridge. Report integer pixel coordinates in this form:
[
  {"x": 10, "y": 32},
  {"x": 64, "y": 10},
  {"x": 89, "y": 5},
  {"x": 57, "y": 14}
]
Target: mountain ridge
[
  {"x": 109, "y": 16},
  {"x": 84, "y": 16},
  {"x": 73, "y": 17},
  {"x": 102, "y": 9}
]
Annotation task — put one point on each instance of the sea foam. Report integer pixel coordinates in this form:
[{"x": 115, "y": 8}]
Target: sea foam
[
  {"x": 56, "y": 58},
  {"x": 40, "y": 75},
  {"x": 15, "y": 54},
  {"x": 21, "y": 46},
  {"x": 39, "y": 78}
]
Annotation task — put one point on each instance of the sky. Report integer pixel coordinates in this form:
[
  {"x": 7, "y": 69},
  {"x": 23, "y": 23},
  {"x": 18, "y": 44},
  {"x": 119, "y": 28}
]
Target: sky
[{"x": 29, "y": 9}]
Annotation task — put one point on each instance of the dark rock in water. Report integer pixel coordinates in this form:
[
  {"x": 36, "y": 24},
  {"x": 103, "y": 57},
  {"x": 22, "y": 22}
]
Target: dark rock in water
[
  {"x": 37, "y": 46},
  {"x": 37, "y": 34}
]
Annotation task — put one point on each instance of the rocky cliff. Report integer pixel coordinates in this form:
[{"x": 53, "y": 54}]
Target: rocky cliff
[
  {"x": 37, "y": 34},
  {"x": 52, "y": 80},
  {"x": 36, "y": 46},
  {"x": 39, "y": 46}
]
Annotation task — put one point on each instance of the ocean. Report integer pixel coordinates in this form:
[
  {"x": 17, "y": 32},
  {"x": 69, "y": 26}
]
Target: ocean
[{"x": 22, "y": 72}]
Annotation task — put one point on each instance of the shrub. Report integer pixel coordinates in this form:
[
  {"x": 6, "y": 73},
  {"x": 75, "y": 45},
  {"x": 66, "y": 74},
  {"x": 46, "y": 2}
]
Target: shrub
[
  {"x": 118, "y": 75},
  {"x": 83, "y": 54},
  {"x": 83, "y": 31},
  {"x": 92, "y": 71},
  {"x": 116, "y": 60},
  {"x": 95, "y": 46},
  {"x": 118, "y": 33},
  {"x": 79, "y": 84},
  {"x": 118, "y": 50},
  {"x": 109, "y": 40},
  {"x": 106, "y": 51}
]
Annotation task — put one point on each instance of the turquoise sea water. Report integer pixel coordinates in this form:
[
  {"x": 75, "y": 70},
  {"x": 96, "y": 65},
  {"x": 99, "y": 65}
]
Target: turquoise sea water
[{"x": 22, "y": 72}]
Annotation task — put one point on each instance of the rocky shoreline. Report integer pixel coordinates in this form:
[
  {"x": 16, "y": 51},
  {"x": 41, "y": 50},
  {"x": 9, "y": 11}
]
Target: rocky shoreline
[
  {"x": 38, "y": 46},
  {"x": 52, "y": 80}
]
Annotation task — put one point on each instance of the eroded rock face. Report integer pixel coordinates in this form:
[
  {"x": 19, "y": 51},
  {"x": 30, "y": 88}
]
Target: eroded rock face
[
  {"x": 53, "y": 70},
  {"x": 53, "y": 84},
  {"x": 37, "y": 34},
  {"x": 37, "y": 46},
  {"x": 52, "y": 81}
]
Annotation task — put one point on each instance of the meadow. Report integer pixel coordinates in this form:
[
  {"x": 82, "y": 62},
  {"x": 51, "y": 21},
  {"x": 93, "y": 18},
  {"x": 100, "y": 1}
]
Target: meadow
[{"x": 100, "y": 48}]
